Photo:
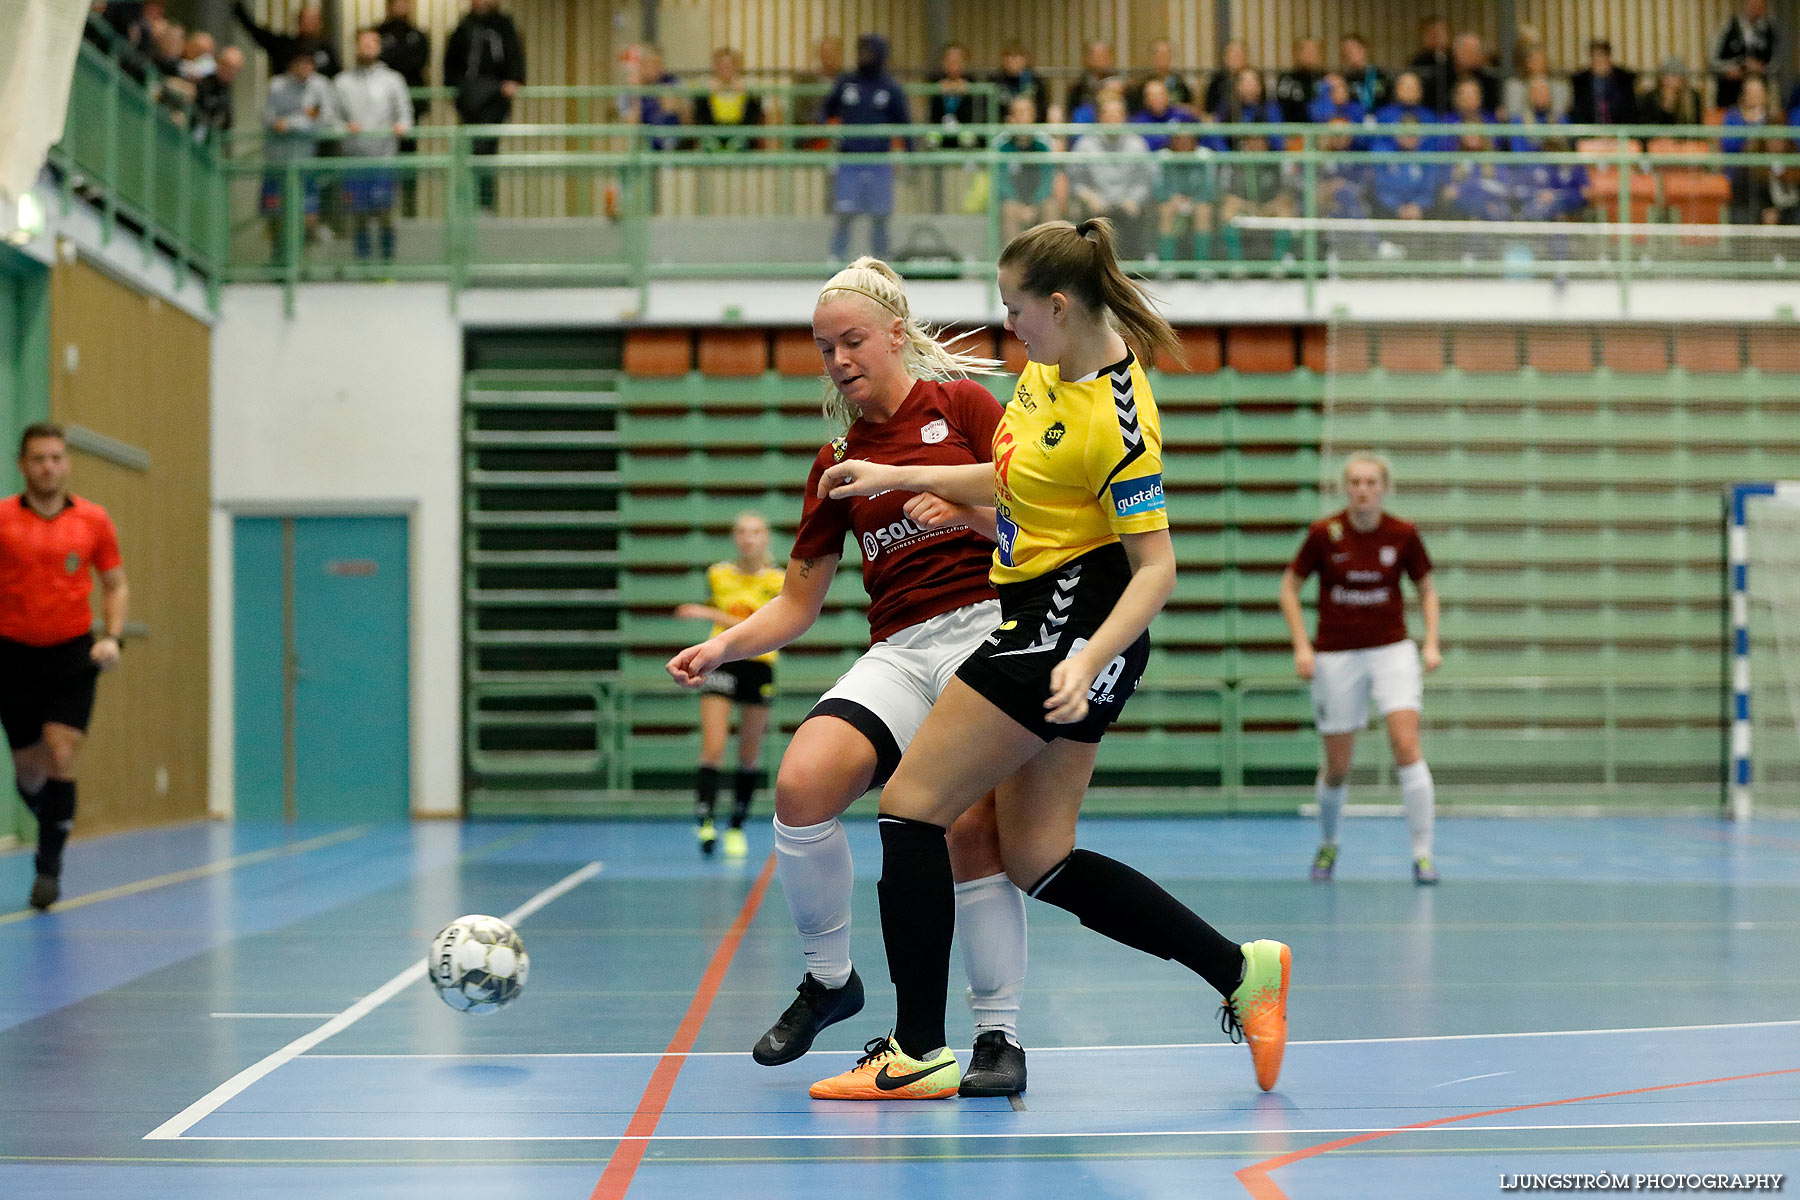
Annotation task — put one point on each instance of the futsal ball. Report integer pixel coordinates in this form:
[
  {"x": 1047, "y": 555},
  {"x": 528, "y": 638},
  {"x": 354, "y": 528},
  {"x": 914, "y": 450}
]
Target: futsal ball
[{"x": 477, "y": 963}]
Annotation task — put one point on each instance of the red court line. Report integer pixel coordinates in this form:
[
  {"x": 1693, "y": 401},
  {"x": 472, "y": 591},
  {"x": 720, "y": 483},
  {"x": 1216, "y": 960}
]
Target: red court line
[
  {"x": 1255, "y": 1177},
  {"x": 615, "y": 1181}
]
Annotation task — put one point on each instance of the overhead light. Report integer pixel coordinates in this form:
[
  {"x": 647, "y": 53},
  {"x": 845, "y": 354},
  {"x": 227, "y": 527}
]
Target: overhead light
[{"x": 23, "y": 219}]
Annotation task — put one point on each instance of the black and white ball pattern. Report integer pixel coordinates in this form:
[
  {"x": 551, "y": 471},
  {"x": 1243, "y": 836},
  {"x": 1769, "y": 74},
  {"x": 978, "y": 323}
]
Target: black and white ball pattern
[{"x": 477, "y": 963}]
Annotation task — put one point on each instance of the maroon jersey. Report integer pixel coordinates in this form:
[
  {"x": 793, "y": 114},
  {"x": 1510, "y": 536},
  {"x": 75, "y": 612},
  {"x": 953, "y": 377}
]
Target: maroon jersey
[
  {"x": 911, "y": 574},
  {"x": 1360, "y": 604}
]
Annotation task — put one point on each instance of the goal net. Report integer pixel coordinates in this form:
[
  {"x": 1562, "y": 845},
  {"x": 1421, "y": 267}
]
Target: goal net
[{"x": 1763, "y": 653}]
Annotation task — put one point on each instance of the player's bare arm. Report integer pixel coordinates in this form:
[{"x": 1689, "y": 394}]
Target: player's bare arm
[
  {"x": 770, "y": 627},
  {"x": 970, "y": 483}
]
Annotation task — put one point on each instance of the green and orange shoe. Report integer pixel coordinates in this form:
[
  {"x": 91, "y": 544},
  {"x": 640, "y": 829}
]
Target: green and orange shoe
[
  {"x": 884, "y": 1072},
  {"x": 1257, "y": 1011}
]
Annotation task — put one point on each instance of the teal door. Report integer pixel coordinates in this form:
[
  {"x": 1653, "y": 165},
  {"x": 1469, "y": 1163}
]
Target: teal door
[{"x": 320, "y": 647}]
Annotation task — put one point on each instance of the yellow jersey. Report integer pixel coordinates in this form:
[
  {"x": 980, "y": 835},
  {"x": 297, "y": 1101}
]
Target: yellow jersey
[
  {"x": 741, "y": 594},
  {"x": 1075, "y": 465}
]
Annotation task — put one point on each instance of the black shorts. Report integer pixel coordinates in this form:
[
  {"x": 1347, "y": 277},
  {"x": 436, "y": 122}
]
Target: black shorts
[
  {"x": 745, "y": 682},
  {"x": 44, "y": 684},
  {"x": 1044, "y": 621}
]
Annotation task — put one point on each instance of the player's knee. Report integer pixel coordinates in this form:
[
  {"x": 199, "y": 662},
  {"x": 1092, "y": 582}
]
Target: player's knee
[
  {"x": 800, "y": 800},
  {"x": 974, "y": 841},
  {"x": 1335, "y": 777},
  {"x": 1029, "y": 862}
]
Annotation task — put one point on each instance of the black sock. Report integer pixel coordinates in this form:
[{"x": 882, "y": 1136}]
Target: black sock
[
  {"x": 918, "y": 917},
  {"x": 56, "y": 816},
  {"x": 1111, "y": 898},
  {"x": 706, "y": 793},
  {"x": 31, "y": 799},
  {"x": 747, "y": 781}
]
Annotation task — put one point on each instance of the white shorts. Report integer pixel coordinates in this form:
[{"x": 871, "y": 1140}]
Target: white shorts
[
  {"x": 887, "y": 692},
  {"x": 1346, "y": 683}
]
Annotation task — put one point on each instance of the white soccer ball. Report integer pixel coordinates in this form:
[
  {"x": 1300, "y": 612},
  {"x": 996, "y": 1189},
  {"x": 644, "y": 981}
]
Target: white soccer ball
[{"x": 477, "y": 963}]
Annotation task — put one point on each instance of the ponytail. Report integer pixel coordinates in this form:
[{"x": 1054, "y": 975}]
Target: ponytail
[
  {"x": 1082, "y": 261},
  {"x": 924, "y": 351}
]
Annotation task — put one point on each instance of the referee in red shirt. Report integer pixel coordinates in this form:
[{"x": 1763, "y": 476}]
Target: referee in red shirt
[{"x": 49, "y": 657}]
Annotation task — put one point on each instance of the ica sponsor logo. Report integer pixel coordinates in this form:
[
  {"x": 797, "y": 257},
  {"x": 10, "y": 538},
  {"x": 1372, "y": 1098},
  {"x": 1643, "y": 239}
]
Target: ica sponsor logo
[
  {"x": 934, "y": 432},
  {"x": 1131, "y": 497}
]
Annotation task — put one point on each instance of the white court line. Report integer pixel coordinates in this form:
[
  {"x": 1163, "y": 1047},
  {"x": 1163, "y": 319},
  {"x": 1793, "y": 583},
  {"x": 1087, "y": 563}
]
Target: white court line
[
  {"x": 265, "y": 1016},
  {"x": 184, "y": 1120},
  {"x": 1471, "y": 1078},
  {"x": 955, "y": 1137},
  {"x": 1433, "y": 1037}
]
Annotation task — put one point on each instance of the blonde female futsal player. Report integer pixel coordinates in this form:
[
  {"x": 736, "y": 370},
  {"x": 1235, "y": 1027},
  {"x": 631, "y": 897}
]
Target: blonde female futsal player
[
  {"x": 1362, "y": 654},
  {"x": 1084, "y": 562},
  {"x": 902, "y": 399}
]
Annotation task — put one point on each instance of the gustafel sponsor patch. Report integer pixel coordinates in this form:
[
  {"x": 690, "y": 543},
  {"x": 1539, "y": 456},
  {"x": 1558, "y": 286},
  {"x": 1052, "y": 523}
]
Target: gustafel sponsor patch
[{"x": 1133, "y": 497}]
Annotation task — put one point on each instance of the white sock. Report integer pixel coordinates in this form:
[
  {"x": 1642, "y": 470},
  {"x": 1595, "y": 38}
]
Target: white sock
[
  {"x": 990, "y": 928},
  {"x": 1331, "y": 807},
  {"x": 816, "y": 873},
  {"x": 1419, "y": 798}
]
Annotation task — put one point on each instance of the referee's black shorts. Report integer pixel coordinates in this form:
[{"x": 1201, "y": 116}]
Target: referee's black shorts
[
  {"x": 44, "y": 684},
  {"x": 1042, "y": 622},
  {"x": 747, "y": 682}
]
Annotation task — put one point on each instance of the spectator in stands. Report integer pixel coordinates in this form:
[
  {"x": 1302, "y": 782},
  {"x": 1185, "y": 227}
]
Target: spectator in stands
[
  {"x": 1121, "y": 188},
  {"x": 1539, "y": 108},
  {"x": 1162, "y": 70},
  {"x": 484, "y": 60},
  {"x": 1259, "y": 189},
  {"x": 1343, "y": 182},
  {"x": 377, "y": 113},
  {"x": 868, "y": 95},
  {"x": 197, "y": 57},
  {"x": 1477, "y": 190},
  {"x": 308, "y": 38},
  {"x": 1604, "y": 94},
  {"x": 1433, "y": 63},
  {"x": 1466, "y": 107},
  {"x": 1335, "y": 103},
  {"x": 658, "y": 108},
  {"x": 1368, "y": 84},
  {"x": 212, "y": 95},
  {"x": 1470, "y": 61},
  {"x": 1016, "y": 78},
  {"x": 1234, "y": 58},
  {"x": 1408, "y": 106},
  {"x": 1743, "y": 50},
  {"x": 1673, "y": 101},
  {"x": 167, "y": 43},
  {"x": 727, "y": 103},
  {"x": 1088, "y": 113},
  {"x": 1158, "y": 111},
  {"x": 1297, "y": 87},
  {"x": 1547, "y": 191},
  {"x": 1031, "y": 192},
  {"x": 1187, "y": 193},
  {"x": 1097, "y": 66},
  {"x": 407, "y": 49},
  {"x": 954, "y": 105},
  {"x": 298, "y": 107},
  {"x": 1761, "y": 194},
  {"x": 1406, "y": 188},
  {"x": 828, "y": 58},
  {"x": 1516, "y": 97},
  {"x": 131, "y": 19}
]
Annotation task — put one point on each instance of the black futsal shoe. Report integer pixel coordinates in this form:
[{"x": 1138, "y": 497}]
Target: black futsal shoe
[
  {"x": 45, "y": 891},
  {"x": 812, "y": 1010},
  {"x": 996, "y": 1068}
]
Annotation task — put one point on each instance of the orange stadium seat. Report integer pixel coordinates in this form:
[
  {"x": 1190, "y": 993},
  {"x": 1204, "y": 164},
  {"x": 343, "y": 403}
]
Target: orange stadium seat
[
  {"x": 733, "y": 353},
  {"x": 1260, "y": 349},
  {"x": 795, "y": 354},
  {"x": 1603, "y": 179},
  {"x": 1411, "y": 349},
  {"x": 1476, "y": 348},
  {"x": 1012, "y": 352},
  {"x": 1200, "y": 346},
  {"x": 1692, "y": 195},
  {"x": 659, "y": 353},
  {"x": 1707, "y": 349},
  {"x": 1775, "y": 349},
  {"x": 1635, "y": 351},
  {"x": 1560, "y": 351},
  {"x": 1345, "y": 353}
]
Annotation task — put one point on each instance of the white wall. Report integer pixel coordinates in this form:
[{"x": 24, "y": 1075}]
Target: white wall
[{"x": 351, "y": 405}]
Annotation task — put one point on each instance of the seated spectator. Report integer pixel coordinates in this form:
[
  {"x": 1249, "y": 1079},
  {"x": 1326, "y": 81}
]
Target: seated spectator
[
  {"x": 212, "y": 95},
  {"x": 647, "y": 107},
  {"x": 1478, "y": 191},
  {"x": 1158, "y": 111},
  {"x": 1743, "y": 49},
  {"x": 1234, "y": 58},
  {"x": 1518, "y": 89},
  {"x": 377, "y": 113},
  {"x": 1097, "y": 66},
  {"x": 308, "y": 38},
  {"x": 298, "y": 107},
  {"x": 1122, "y": 185},
  {"x": 954, "y": 104},
  {"x": 1408, "y": 106},
  {"x": 1016, "y": 78},
  {"x": 1547, "y": 191},
  {"x": 1162, "y": 70},
  {"x": 1604, "y": 94},
  {"x": 1258, "y": 188},
  {"x": 1335, "y": 103},
  {"x": 1539, "y": 109},
  {"x": 727, "y": 103},
  {"x": 1297, "y": 87},
  {"x": 1087, "y": 114},
  {"x": 1031, "y": 191},
  {"x": 1469, "y": 60},
  {"x": 1672, "y": 101},
  {"x": 1761, "y": 194},
  {"x": 1187, "y": 190},
  {"x": 1343, "y": 183},
  {"x": 1404, "y": 187},
  {"x": 1465, "y": 104},
  {"x": 1368, "y": 84}
]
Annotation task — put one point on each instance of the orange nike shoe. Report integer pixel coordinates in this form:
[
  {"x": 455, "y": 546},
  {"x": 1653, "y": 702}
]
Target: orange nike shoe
[
  {"x": 885, "y": 1073},
  {"x": 1257, "y": 1010}
]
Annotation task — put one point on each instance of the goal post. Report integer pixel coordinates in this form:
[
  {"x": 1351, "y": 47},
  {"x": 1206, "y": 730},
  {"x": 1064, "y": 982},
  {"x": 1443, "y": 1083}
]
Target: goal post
[{"x": 1762, "y": 642}]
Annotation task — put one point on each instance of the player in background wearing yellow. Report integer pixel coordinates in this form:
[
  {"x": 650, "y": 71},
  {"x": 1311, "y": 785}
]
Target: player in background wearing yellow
[
  {"x": 1084, "y": 562},
  {"x": 1362, "y": 655},
  {"x": 900, "y": 397},
  {"x": 735, "y": 590}
]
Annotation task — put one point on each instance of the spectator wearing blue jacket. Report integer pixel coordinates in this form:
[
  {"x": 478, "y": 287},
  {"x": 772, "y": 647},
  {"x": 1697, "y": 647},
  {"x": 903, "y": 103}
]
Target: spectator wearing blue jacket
[
  {"x": 1760, "y": 195},
  {"x": 1335, "y": 103},
  {"x": 1547, "y": 191},
  {"x": 866, "y": 96},
  {"x": 1260, "y": 189},
  {"x": 1408, "y": 107},
  {"x": 1158, "y": 110},
  {"x": 1402, "y": 187}
]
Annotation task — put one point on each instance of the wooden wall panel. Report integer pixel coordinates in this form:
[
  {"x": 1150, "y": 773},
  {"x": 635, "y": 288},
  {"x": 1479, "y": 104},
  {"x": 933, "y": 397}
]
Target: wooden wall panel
[{"x": 139, "y": 373}]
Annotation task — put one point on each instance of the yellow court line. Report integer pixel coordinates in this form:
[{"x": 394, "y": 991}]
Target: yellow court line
[{"x": 191, "y": 873}]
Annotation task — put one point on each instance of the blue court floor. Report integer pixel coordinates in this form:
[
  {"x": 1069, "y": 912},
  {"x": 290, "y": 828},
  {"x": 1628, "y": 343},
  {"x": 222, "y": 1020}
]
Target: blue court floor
[{"x": 238, "y": 1011}]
